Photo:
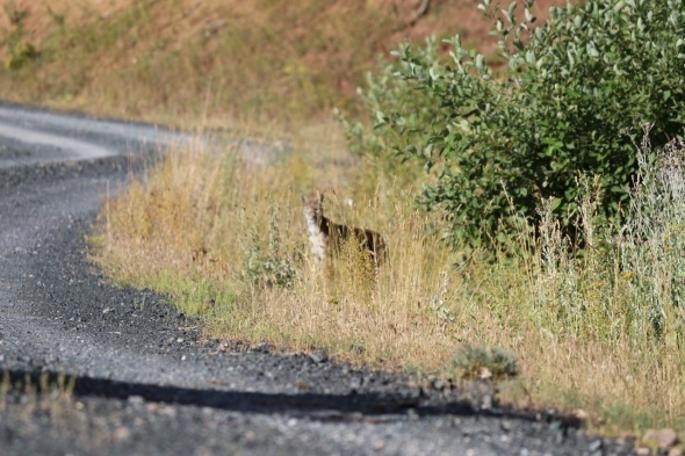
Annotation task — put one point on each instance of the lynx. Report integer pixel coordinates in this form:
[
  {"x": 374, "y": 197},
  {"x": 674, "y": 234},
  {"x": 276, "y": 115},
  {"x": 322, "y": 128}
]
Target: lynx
[{"x": 327, "y": 237}]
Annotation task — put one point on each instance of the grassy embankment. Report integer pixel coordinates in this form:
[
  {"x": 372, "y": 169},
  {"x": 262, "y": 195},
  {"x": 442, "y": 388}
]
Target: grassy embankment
[
  {"x": 219, "y": 63},
  {"x": 226, "y": 239}
]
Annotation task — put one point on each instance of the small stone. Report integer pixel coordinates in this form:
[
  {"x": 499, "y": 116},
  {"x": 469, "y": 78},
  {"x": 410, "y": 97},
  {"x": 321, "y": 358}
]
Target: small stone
[
  {"x": 662, "y": 438},
  {"x": 319, "y": 356},
  {"x": 486, "y": 402},
  {"x": 439, "y": 384},
  {"x": 675, "y": 451},
  {"x": 263, "y": 347},
  {"x": 302, "y": 385},
  {"x": 180, "y": 340},
  {"x": 595, "y": 446},
  {"x": 136, "y": 400},
  {"x": 121, "y": 433},
  {"x": 168, "y": 411},
  {"x": 642, "y": 451}
]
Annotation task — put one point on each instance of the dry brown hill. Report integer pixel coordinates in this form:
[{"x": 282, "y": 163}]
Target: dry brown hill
[{"x": 223, "y": 59}]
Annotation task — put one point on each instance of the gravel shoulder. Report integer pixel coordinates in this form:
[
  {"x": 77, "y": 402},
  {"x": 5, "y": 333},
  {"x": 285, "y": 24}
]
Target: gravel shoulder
[{"x": 146, "y": 382}]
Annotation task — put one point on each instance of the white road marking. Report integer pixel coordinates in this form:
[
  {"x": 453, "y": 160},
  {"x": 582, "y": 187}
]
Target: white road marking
[
  {"x": 81, "y": 149},
  {"x": 132, "y": 132}
]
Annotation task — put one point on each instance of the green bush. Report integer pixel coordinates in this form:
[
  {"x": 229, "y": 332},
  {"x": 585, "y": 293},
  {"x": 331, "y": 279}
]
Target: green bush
[
  {"x": 18, "y": 50},
  {"x": 572, "y": 93},
  {"x": 271, "y": 268},
  {"x": 477, "y": 361}
]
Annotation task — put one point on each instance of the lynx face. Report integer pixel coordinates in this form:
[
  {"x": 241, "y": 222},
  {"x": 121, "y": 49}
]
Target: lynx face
[{"x": 313, "y": 207}]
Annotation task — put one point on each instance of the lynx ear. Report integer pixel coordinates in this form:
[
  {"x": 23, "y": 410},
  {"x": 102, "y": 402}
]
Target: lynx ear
[
  {"x": 320, "y": 195},
  {"x": 303, "y": 198}
]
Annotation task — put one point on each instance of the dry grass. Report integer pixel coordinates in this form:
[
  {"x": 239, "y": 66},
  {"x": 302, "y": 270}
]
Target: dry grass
[
  {"x": 23, "y": 401},
  {"x": 45, "y": 413},
  {"x": 227, "y": 241}
]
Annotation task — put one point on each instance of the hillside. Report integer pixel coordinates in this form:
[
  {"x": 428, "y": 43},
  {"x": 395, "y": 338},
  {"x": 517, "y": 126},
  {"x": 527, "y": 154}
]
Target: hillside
[{"x": 224, "y": 60}]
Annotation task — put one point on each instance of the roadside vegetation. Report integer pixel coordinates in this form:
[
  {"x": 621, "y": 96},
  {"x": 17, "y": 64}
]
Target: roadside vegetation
[
  {"x": 573, "y": 101},
  {"x": 226, "y": 240},
  {"x": 533, "y": 212}
]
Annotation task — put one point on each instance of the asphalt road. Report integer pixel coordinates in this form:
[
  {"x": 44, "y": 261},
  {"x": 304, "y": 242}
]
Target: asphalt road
[{"x": 145, "y": 381}]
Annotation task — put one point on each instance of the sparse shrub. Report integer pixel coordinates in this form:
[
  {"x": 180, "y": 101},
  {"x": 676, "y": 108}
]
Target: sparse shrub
[
  {"x": 18, "y": 50},
  {"x": 477, "y": 361},
  {"x": 652, "y": 248},
  {"x": 628, "y": 283},
  {"x": 271, "y": 268},
  {"x": 439, "y": 302},
  {"x": 56, "y": 18},
  {"x": 571, "y": 92}
]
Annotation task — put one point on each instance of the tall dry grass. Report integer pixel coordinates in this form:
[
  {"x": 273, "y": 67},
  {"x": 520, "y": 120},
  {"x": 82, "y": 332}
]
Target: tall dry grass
[{"x": 596, "y": 329}]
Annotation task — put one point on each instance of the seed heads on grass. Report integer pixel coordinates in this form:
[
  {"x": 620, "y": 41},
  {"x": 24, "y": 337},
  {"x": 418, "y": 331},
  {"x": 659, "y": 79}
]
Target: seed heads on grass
[
  {"x": 439, "y": 302},
  {"x": 652, "y": 245}
]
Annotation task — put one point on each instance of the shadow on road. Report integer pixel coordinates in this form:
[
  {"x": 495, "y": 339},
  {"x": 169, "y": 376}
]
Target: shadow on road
[{"x": 334, "y": 407}]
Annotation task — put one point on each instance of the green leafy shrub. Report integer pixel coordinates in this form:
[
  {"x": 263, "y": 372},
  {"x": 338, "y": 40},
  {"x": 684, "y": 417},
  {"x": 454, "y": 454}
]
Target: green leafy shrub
[
  {"x": 572, "y": 93},
  {"x": 271, "y": 268},
  {"x": 18, "y": 50},
  {"x": 476, "y": 361}
]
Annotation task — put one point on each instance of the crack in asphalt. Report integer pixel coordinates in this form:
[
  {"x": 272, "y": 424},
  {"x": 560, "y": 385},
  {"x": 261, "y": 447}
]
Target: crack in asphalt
[{"x": 58, "y": 314}]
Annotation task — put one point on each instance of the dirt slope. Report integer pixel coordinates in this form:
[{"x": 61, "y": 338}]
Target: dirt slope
[{"x": 223, "y": 59}]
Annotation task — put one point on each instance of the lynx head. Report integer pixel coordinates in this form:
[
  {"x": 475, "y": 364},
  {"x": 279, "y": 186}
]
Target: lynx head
[{"x": 313, "y": 207}]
